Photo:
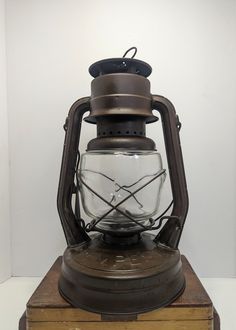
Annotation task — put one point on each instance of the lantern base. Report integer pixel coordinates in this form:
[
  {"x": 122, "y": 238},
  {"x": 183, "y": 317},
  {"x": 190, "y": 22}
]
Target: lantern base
[{"x": 108, "y": 279}]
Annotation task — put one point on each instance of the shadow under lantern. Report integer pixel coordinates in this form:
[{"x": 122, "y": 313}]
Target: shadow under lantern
[{"x": 112, "y": 265}]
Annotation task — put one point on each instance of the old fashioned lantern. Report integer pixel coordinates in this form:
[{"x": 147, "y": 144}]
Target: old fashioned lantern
[{"x": 114, "y": 264}]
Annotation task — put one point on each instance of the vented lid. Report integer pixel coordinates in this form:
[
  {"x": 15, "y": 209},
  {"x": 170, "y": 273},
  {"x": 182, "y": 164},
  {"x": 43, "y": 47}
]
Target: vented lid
[{"x": 121, "y": 65}]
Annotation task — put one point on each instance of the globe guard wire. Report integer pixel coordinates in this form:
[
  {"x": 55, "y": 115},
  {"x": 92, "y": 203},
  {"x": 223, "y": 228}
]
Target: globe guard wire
[
  {"x": 161, "y": 217},
  {"x": 119, "y": 186},
  {"x": 91, "y": 225}
]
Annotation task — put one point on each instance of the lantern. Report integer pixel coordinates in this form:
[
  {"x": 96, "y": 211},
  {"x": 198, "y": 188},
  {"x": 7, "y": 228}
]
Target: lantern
[{"x": 114, "y": 264}]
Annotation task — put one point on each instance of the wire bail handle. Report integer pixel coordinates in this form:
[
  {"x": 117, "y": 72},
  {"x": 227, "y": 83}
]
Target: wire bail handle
[{"x": 130, "y": 49}]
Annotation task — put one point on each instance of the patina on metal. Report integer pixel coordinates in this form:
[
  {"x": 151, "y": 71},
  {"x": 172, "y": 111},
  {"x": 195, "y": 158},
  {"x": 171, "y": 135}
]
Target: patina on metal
[
  {"x": 137, "y": 272},
  {"x": 118, "y": 280}
]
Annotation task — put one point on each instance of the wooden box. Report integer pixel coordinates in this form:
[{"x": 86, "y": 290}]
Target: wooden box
[{"x": 47, "y": 310}]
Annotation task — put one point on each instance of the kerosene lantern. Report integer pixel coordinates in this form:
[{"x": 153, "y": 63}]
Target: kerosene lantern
[{"x": 114, "y": 264}]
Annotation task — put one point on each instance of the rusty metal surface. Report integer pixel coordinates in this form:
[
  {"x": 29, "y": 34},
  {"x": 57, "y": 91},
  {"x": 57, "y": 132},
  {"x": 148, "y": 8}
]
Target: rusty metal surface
[
  {"x": 116, "y": 280},
  {"x": 71, "y": 224},
  {"x": 122, "y": 94},
  {"x": 108, "y": 278},
  {"x": 170, "y": 234},
  {"x": 122, "y": 142},
  {"x": 121, "y": 132},
  {"x": 47, "y": 295},
  {"x": 46, "y": 298},
  {"x": 139, "y": 260}
]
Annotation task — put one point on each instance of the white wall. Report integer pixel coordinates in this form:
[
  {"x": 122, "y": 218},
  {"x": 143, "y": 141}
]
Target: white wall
[
  {"x": 191, "y": 46},
  {"x": 5, "y": 257}
]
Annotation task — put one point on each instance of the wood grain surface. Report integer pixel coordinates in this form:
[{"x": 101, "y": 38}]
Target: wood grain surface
[
  {"x": 47, "y": 310},
  {"x": 132, "y": 325}
]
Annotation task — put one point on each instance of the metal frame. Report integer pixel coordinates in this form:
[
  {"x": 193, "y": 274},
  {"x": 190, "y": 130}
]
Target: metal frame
[
  {"x": 72, "y": 223},
  {"x": 170, "y": 234}
]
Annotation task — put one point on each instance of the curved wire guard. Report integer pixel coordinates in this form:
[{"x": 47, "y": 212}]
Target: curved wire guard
[
  {"x": 118, "y": 185},
  {"x": 92, "y": 225}
]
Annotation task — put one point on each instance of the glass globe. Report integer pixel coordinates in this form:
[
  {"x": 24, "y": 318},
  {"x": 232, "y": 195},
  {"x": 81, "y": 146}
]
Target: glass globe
[{"x": 115, "y": 176}]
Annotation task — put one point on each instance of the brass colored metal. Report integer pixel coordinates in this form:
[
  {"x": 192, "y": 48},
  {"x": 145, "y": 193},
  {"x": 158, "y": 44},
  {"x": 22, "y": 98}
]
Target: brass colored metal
[
  {"x": 112, "y": 279},
  {"x": 121, "y": 142},
  {"x": 71, "y": 222},
  {"x": 122, "y": 94},
  {"x": 170, "y": 234},
  {"x": 108, "y": 274},
  {"x": 121, "y": 108},
  {"x": 47, "y": 310}
]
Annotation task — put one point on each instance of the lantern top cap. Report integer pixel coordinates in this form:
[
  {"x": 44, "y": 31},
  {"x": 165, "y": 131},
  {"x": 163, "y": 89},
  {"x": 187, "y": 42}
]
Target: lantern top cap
[{"x": 121, "y": 65}]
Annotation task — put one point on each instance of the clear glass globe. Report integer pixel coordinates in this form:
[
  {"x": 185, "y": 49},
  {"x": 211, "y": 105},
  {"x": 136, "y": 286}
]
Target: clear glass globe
[{"x": 115, "y": 176}]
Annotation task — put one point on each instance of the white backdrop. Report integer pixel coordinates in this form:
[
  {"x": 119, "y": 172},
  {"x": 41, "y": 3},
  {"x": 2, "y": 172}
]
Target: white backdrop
[
  {"x": 191, "y": 46},
  {"x": 5, "y": 242}
]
